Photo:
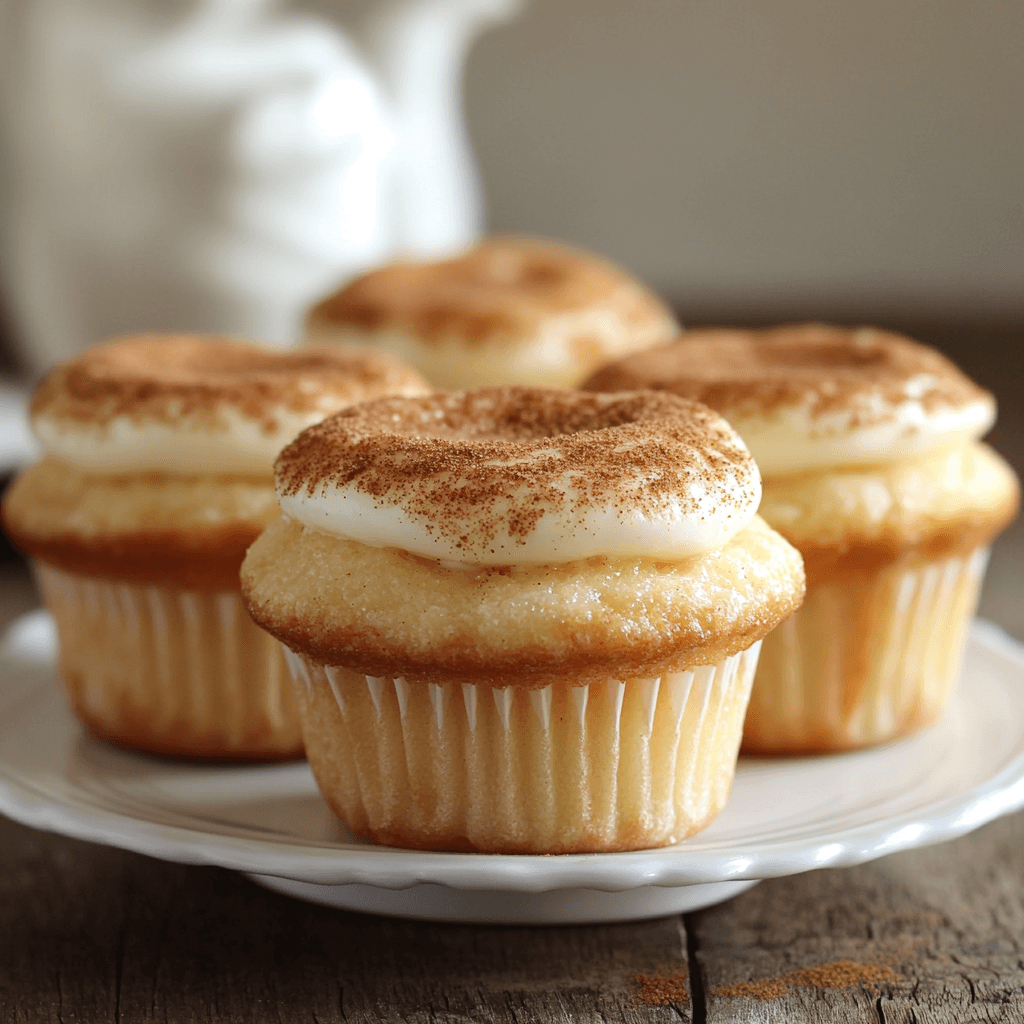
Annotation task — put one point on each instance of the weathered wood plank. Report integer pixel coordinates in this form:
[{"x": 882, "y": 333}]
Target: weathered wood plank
[
  {"x": 947, "y": 924},
  {"x": 94, "y": 934}
]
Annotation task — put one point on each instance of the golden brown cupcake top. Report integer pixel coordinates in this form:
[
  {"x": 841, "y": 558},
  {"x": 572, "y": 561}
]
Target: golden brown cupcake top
[
  {"x": 545, "y": 311},
  {"x": 168, "y": 377},
  {"x": 511, "y": 475},
  {"x": 188, "y": 403},
  {"x": 812, "y": 396},
  {"x": 384, "y": 612}
]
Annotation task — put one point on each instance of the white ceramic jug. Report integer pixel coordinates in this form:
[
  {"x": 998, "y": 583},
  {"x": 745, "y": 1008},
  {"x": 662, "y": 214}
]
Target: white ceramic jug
[{"x": 217, "y": 165}]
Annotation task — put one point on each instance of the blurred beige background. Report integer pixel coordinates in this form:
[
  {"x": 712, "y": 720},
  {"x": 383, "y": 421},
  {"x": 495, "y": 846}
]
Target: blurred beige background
[
  {"x": 786, "y": 156},
  {"x": 765, "y": 160}
]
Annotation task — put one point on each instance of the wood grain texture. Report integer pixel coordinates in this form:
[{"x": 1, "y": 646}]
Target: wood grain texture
[
  {"x": 94, "y": 934},
  {"x": 947, "y": 921}
]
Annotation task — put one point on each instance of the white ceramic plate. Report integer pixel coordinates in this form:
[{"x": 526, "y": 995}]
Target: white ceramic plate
[{"x": 785, "y": 815}]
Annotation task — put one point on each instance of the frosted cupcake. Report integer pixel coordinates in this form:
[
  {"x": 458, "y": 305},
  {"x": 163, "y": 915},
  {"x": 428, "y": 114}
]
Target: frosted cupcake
[
  {"x": 509, "y": 311},
  {"x": 158, "y": 474},
  {"x": 522, "y": 619},
  {"x": 868, "y": 446}
]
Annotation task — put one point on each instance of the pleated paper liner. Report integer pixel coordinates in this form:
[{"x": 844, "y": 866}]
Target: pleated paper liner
[
  {"x": 170, "y": 671},
  {"x": 615, "y": 765},
  {"x": 866, "y": 659}
]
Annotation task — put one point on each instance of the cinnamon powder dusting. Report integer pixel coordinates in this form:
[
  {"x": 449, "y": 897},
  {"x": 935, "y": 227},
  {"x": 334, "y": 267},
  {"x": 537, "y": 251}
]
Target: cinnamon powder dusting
[
  {"x": 864, "y": 372},
  {"x": 837, "y": 974},
  {"x": 503, "y": 289},
  {"x": 168, "y": 377},
  {"x": 477, "y": 464},
  {"x": 662, "y": 989}
]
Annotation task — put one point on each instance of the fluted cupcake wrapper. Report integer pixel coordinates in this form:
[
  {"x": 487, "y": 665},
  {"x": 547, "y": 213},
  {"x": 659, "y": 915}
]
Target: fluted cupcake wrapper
[
  {"x": 171, "y": 671},
  {"x": 621, "y": 764},
  {"x": 865, "y": 659}
]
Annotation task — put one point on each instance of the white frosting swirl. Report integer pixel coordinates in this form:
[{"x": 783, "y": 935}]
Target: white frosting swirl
[
  {"x": 792, "y": 440},
  {"x": 674, "y": 481},
  {"x": 809, "y": 397},
  {"x": 188, "y": 404},
  {"x": 564, "y": 536},
  {"x": 232, "y": 443}
]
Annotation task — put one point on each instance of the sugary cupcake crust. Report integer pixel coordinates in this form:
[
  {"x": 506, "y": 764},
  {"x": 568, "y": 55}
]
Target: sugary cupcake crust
[
  {"x": 383, "y": 612},
  {"x": 814, "y": 367},
  {"x": 166, "y": 378},
  {"x": 189, "y": 532},
  {"x": 944, "y": 504},
  {"x": 499, "y": 293},
  {"x": 207, "y": 561}
]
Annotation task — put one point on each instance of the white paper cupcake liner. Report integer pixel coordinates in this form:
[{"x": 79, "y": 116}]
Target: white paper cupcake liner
[
  {"x": 612, "y": 765},
  {"x": 171, "y": 671},
  {"x": 865, "y": 660}
]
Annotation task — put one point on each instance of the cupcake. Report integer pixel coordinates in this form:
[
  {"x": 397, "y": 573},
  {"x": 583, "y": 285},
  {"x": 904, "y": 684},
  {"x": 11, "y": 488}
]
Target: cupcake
[
  {"x": 509, "y": 311},
  {"x": 868, "y": 448},
  {"x": 521, "y": 620},
  {"x": 157, "y": 475}
]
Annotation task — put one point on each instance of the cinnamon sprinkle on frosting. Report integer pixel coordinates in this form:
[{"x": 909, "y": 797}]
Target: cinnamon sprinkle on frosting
[
  {"x": 477, "y": 466},
  {"x": 500, "y": 291},
  {"x": 821, "y": 369},
  {"x": 166, "y": 378}
]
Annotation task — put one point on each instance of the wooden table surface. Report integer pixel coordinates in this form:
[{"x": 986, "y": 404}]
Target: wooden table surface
[{"x": 89, "y": 933}]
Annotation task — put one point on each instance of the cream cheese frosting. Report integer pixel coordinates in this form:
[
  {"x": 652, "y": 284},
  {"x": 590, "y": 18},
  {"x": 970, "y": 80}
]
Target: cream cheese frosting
[
  {"x": 507, "y": 476},
  {"x": 793, "y": 440},
  {"x": 192, "y": 405},
  {"x": 228, "y": 443},
  {"x": 810, "y": 397}
]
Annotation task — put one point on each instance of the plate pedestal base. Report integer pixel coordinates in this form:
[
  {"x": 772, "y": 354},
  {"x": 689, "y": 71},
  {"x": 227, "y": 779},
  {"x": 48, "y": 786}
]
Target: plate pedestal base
[{"x": 427, "y": 902}]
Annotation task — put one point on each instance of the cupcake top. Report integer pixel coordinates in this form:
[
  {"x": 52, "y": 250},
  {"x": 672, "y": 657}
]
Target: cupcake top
[
  {"x": 191, "y": 404},
  {"x": 811, "y": 397},
  {"x": 505, "y": 476},
  {"x": 517, "y": 536},
  {"x": 522, "y": 310}
]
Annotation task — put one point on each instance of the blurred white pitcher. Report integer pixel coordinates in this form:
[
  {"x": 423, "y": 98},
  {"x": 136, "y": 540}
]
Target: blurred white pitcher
[{"x": 217, "y": 165}]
